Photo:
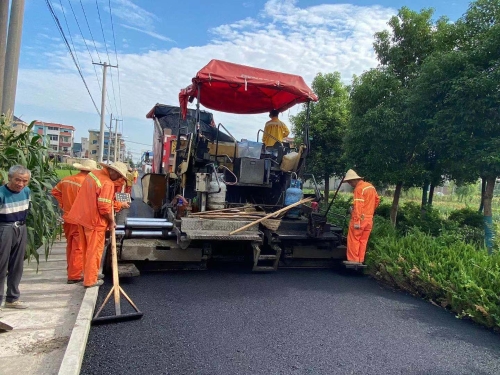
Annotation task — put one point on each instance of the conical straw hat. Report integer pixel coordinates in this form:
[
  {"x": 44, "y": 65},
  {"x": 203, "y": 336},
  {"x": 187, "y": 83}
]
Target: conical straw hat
[
  {"x": 117, "y": 166},
  {"x": 86, "y": 165},
  {"x": 351, "y": 175}
]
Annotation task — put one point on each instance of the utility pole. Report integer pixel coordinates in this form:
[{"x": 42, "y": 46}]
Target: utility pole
[
  {"x": 4, "y": 16},
  {"x": 103, "y": 108},
  {"x": 12, "y": 53},
  {"x": 117, "y": 145},
  {"x": 109, "y": 137}
]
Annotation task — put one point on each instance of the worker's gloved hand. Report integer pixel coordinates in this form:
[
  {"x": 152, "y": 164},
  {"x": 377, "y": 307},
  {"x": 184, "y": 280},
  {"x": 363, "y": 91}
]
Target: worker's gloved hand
[
  {"x": 351, "y": 208},
  {"x": 125, "y": 205},
  {"x": 357, "y": 226}
]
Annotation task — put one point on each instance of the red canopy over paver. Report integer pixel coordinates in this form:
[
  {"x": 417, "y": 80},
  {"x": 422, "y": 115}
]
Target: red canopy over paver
[{"x": 241, "y": 89}]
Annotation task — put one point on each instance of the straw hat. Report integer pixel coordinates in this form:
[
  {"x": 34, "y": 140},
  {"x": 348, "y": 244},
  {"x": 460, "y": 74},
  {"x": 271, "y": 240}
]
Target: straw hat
[
  {"x": 86, "y": 165},
  {"x": 118, "y": 166},
  {"x": 351, "y": 175}
]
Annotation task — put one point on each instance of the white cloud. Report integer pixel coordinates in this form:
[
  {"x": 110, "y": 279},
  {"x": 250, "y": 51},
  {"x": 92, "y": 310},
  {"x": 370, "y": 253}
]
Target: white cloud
[
  {"x": 150, "y": 33},
  {"x": 285, "y": 37},
  {"x": 133, "y": 14}
]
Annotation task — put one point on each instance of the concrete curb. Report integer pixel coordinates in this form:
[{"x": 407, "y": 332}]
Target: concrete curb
[{"x": 73, "y": 357}]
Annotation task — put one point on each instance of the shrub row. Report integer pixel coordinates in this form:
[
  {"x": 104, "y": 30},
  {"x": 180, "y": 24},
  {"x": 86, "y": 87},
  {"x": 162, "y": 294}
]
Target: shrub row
[{"x": 442, "y": 269}]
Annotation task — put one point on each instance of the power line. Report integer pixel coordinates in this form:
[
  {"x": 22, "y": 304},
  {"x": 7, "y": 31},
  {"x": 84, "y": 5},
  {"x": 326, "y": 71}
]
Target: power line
[
  {"x": 91, "y": 36},
  {"x": 116, "y": 56},
  {"x": 61, "y": 31},
  {"x": 69, "y": 31},
  {"x": 138, "y": 143},
  {"x": 107, "y": 53},
  {"x": 86, "y": 45}
]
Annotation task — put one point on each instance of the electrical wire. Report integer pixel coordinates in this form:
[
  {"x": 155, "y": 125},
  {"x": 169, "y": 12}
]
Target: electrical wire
[
  {"x": 69, "y": 32},
  {"x": 61, "y": 31},
  {"x": 91, "y": 36},
  {"x": 88, "y": 49},
  {"x": 116, "y": 56},
  {"x": 107, "y": 53}
]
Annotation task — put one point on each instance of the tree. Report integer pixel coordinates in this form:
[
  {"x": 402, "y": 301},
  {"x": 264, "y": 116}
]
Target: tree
[
  {"x": 383, "y": 140},
  {"x": 413, "y": 38},
  {"x": 380, "y": 143},
  {"x": 28, "y": 150},
  {"x": 461, "y": 86},
  {"x": 328, "y": 121}
]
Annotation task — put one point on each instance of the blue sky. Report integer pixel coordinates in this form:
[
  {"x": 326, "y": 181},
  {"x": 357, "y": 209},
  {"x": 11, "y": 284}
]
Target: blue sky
[{"x": 162, "y": 44}]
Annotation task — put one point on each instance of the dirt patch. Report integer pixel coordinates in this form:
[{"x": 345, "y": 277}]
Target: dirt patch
[{"x": 46, "y": 346}]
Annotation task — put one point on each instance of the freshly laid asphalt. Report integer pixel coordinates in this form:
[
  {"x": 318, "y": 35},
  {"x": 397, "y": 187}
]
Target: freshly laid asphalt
[{"x": 230, "y": 321}]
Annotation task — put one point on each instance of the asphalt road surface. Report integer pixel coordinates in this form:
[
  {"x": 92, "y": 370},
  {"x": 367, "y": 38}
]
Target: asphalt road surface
[{"x": 230, "y": 321}]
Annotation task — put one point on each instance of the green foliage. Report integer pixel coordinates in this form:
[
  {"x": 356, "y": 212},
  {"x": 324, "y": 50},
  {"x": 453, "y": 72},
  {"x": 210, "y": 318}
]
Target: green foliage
[
  {"x": 27, "y": 149},
  {"x": 467, "y": 216},
  {"x": 442, "y": 269},
  {"x": 465, "y": 192},
  {"x": 328, "y": 120},
  {"x": 65, "y": 166},
  {"x": 428, "y": 221},
  {"x": 339, "y": 212}
]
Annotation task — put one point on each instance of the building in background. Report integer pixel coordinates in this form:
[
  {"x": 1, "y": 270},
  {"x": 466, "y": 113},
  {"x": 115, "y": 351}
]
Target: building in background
[
  {"x": 19, "y": 125},
  {"x": 93, "y": 146},
  {"x": 85, "y": 147},
  {"x": 60, "y": 137},
  {"x": 77, "y": 150}
]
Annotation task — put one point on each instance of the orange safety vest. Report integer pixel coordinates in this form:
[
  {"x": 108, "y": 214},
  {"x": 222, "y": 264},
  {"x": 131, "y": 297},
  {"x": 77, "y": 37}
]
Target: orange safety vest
[
  {"x": 94, "y": 200},
  {"x": 66, "y": 190},
  {"x": 366, "y": 200}
]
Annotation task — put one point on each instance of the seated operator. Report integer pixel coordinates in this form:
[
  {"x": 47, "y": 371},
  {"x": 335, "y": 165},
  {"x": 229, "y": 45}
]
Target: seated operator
[{"x": 275, "y": 128}]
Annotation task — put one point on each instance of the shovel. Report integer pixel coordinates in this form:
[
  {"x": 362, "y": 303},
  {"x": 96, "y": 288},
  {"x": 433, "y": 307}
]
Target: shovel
[{"x": 116, "y": 291}]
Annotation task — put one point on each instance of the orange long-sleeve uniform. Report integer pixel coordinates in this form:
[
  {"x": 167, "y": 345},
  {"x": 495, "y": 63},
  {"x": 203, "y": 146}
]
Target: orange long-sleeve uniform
[
  {"x": 366, "y": 200},
  {"x": 92, "y": 204},
  {"x": 65, "y": 193}
]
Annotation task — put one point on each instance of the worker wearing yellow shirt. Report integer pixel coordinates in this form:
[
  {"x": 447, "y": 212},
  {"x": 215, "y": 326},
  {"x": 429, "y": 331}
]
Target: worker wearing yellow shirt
[{"x": 274, "y": 128}]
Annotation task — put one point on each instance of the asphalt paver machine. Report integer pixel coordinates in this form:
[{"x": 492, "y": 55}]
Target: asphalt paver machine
[{"x": 206, "y": 184}]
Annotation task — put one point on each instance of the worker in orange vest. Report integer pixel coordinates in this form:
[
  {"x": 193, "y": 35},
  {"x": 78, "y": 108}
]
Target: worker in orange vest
[
  {"x": 366, "y": 200},
  {"x": 93, "y": 212},
  {"x": 136, "y": 175},
  {"x": 130, "y": 181},
  {"x": 65, "y": 193}
]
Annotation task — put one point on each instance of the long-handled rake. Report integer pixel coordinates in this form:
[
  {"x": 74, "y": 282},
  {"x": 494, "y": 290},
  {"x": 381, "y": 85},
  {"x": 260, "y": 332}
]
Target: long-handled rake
[{"x": 116, "y": 290}]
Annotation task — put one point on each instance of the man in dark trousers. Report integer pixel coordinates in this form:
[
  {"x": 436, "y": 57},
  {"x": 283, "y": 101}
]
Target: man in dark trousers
[{"x": 15, "y": 201}]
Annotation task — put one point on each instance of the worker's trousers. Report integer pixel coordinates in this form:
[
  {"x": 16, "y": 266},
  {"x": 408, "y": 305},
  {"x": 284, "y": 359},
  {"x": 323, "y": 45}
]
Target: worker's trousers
[
  {"x": 92, "y": 242},
  {"x": 74, "y": 253},
  {"x": 12, "y": 249},
  {"x": 357, "y": 239}
]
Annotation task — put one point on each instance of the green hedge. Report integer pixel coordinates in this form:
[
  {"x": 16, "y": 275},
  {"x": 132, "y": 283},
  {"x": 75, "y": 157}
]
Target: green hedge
[{"x": 443, "y": 269}]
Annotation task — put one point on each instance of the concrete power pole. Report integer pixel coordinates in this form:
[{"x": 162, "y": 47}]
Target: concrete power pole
[
  {"x": 109, "y": 137},
  {"x": 117, "y": 145},
  {"x": 12, "y": 53},
  {"x": 4, "y": 16},
  {"x": 103, "y": 108}
]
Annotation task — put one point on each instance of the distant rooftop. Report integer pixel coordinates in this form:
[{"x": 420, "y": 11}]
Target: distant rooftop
[{"x": 43, "y": 123}]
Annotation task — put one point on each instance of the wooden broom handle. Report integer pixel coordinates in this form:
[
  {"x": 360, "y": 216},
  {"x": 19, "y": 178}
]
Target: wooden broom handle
[{"x": 284, "y": 209}]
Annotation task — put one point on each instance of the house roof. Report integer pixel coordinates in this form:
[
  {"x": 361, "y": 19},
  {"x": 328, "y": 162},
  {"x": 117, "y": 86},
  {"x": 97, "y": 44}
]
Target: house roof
[
  {"x": 43, "y": 123},
  {"x": 17, "y": 119}
]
